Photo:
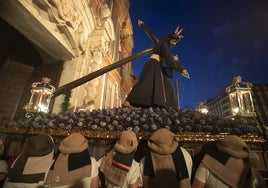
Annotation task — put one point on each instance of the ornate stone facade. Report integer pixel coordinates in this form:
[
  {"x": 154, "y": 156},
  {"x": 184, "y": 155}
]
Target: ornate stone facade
[{"x": 83, "y": 36}]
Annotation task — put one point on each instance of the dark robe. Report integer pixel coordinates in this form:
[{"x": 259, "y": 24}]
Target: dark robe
[{"x": 153, "y": 88}]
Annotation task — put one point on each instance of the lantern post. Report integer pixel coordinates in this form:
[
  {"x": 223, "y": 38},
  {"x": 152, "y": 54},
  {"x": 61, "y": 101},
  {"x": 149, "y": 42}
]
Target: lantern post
[
  {"x": 41, "y": 96},
  {"x": 240, "y": 96}
]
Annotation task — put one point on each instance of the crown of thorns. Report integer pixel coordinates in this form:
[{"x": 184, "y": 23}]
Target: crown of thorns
[{"x": 178, "y": 32}]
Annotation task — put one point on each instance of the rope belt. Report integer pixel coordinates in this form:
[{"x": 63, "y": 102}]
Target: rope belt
[{"x": 155, "y": 56}]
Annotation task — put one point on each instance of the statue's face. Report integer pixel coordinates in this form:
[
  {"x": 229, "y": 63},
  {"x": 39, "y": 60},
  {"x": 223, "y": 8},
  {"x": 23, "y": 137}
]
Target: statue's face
[{"x": 173, "y": 42}]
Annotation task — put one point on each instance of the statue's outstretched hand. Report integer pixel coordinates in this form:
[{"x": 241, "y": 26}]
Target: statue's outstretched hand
[
  {"x": 185, "y": 74},
  {"x": 176, "y": 57}
]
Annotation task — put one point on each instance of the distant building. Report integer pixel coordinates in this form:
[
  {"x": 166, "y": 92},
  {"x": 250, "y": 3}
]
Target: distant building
[
  {"x": 239, "y": 103},
  {"x": 219, "y": 105}
]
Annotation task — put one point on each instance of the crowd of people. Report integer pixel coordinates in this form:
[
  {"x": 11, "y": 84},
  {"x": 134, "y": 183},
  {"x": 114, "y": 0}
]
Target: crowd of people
[{"x": 162, "y": 163}]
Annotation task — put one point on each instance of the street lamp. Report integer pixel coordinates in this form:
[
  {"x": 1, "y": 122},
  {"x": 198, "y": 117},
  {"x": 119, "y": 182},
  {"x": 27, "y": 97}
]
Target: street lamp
[
  {"x": 240, "y": 97},
  {"x": 41, "y": 96}
]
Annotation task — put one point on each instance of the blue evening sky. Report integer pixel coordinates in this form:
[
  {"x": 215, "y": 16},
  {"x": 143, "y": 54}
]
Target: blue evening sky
[{"x": 222, "y": 39}]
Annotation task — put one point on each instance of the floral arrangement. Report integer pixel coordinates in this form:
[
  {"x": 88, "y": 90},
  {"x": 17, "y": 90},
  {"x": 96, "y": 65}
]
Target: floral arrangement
[{"x": 144, "y": 120}]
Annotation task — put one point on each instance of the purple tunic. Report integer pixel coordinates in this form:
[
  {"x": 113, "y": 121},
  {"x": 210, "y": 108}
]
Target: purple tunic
[{"x": 153, "y": 88}]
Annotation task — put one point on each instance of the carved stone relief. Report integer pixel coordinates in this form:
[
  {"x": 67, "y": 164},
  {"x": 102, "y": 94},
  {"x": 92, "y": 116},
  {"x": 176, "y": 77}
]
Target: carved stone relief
[
  {"x": 91, "y": 87},
  {"x": 66, "y": 15}
]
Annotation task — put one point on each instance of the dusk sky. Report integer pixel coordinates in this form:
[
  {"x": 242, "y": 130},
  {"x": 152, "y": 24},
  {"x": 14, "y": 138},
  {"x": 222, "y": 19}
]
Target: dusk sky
[{"x": 222, "y": 39}]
